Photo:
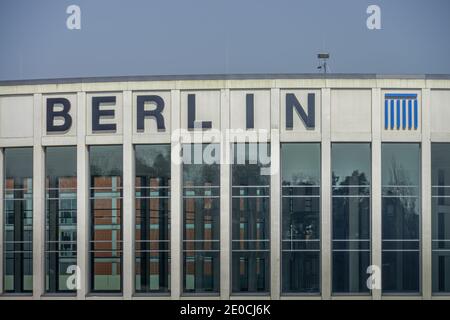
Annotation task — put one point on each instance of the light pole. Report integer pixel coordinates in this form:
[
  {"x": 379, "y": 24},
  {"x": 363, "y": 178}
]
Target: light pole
[{"x": 323, "y": 57}]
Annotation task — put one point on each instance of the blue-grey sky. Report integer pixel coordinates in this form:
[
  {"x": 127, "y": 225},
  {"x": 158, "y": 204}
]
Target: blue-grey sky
[{"x": 169, "y": 37}]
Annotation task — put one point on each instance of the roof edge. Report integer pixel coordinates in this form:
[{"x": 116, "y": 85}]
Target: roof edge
[{"x": 255, "y": 76}]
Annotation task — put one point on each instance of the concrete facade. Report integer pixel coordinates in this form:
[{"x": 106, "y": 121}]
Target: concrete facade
[{"x": 347, "y": 109}]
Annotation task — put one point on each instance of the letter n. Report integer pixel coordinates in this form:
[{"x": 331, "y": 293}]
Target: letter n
[{"x": 308, "y": 119}]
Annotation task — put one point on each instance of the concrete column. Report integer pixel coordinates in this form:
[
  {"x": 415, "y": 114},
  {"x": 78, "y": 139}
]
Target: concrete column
[
  {"x": 128, "y": 197},
  {"x": 225, "y": 198},
  {"x": 376, "y": 187},
  {"x": 38, "y": 202},
  {"x": 2, "y": 178},
  {"x": 326, "y": 195},
  {"x": 175, "y": 204},
  {"x": 426, "y": 197},
  {"x": 83, "y": 244},
  {"x": 275, "y": 190}
]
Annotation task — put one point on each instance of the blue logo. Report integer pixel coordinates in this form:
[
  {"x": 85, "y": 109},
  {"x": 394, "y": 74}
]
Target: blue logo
[{"x": 401, "y": 111}]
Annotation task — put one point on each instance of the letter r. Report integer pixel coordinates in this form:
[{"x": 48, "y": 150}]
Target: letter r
[{"x": 156, "y": 113}]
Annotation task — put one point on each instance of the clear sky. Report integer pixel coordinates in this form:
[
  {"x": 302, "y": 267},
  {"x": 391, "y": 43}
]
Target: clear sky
[{"x": 166, "y": 37}]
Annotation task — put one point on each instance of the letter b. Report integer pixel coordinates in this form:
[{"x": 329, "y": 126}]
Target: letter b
[{"x": 62, "y": 114}]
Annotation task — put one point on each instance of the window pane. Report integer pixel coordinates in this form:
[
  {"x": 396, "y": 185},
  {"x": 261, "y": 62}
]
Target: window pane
[
  {"x": 440, "y": 188},
  {"x": 152, "y": 218},
  {"x": 300, "y": 164},
  {"x": 18, "y": 220},
  {"x": 351, "y": 174},
  {"x": 105, "y": 163},
  {"x": 61, "y": 216},
  {"x": 250, "y": 243},
  {"x": 401, "y": 217},
  {"x": 201, "y": 219}
]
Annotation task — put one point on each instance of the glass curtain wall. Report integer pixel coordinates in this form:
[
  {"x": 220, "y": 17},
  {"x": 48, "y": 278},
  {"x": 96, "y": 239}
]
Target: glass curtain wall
[
  {"x": 105, "y": 190},
  {"x": 250, "y": 243},
  {"x": 61, "y": 217},
  {"x": 401, "y": 185},
  {"x": 300, "y": 174},
  {"x": 152, "y": 191},
  {"x": 201, "y": 218},
  {"x": 18, "y": 220},
  {"x": 440, "y": 197},
  {"x": 351, "y": 191}
]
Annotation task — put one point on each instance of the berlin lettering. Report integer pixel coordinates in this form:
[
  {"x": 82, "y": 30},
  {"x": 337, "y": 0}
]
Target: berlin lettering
[{"x": 59, "y": 109}]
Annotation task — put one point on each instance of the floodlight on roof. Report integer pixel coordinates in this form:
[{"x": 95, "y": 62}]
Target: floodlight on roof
[
  {"x": 323, "y": 55},
  {"x": 323, "y": 63}
]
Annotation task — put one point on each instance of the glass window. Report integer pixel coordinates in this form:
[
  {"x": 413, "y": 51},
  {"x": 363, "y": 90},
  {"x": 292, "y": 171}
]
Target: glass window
[
  {"x": 300, "y": 165},
  {"x": 401, "y": 217},
  {"x": 201, "y": 218},
  {"x": 351, "y": 176},
  {"x": 440, "y": 187},
  {"x": 105, "y": 164},
  {"x": 18, "y": 220},
  {"x": 61, "y": 216},
  {"x": 250, "y": 243},
  {"x": 152, "y": 218}
]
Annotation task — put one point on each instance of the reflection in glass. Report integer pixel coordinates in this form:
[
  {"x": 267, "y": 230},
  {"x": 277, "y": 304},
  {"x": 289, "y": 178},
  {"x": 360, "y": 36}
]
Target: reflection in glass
[
  {"x": 300, "y": 163},
  {"x": 351, "y": 175},
  {"x": 152, "y": 218},
  {"x": 105, "y": 163},
  {"x": 250, "y": 243},
  {"x": 401, "y": 217},
  {"x": 201, "y": 218},
  {"x": 18, "y": 220},
  {"x": 440, "y": 188},
  {"x": 61, "y": 216}
]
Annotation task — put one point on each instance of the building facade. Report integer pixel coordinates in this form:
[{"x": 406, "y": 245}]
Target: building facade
[{"x": 226, "y": 187}]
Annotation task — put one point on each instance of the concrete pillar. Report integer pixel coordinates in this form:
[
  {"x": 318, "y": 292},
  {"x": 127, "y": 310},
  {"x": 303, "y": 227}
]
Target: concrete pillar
[
  {"x": 376, "y": 186},
  {"x": 326, "y": 195},
  {"x": 38, "y": 202},
  {"x": 275, "y": 196},
  {"x": 82, "y": 198},
  {"x": 426, "y": 197},
  {"x": 175, "y": 204},
  {"x": 225, "y": 198},
  {"x": 128, "y": 198}
]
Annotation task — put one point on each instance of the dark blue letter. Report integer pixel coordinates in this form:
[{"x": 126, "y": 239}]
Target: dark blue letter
[
  {"x": 308, "y": 119},
  {"x": 52, "y": 114},
  {"x": 142, "y": 113},
  {"x": 97, "y": 113}
]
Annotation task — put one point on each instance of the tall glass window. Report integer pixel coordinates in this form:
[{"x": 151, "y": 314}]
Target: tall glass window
[
  {"x": 105, "y": 164},
  {"x": 61, "y": 216},
  {"x": 152, "y": 218},
  {"x": 250, "y": 243},
  {"x": 440, "y": 188},
  {"x": 401, "y": 217},
  {"x": 300, "y": 173},
  {"x": 18, "y": 221},
  {"x": 201, "y": 218},
  {"x": 351, "y": 176}
]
